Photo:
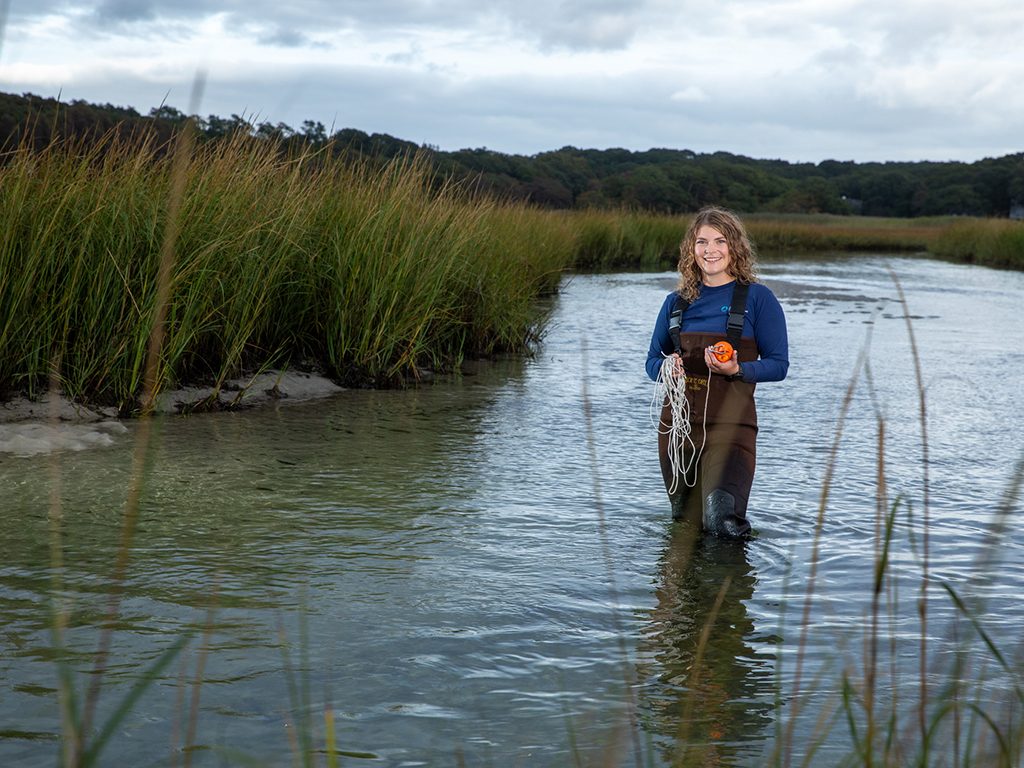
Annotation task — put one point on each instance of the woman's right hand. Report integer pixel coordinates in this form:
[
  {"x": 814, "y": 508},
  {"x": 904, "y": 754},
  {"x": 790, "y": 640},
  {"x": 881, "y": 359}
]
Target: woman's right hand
[{"x": 677, "y": 364}]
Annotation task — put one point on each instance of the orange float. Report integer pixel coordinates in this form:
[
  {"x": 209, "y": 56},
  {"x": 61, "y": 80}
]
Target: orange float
[{"x": 723, "y": 351}]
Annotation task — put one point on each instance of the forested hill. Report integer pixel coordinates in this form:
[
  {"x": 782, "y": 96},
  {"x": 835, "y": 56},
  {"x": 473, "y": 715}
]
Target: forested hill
[{"x": 666, "y": 180}]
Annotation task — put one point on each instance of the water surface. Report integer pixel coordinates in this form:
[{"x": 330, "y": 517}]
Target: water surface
[{"x": 442, "y": 570}]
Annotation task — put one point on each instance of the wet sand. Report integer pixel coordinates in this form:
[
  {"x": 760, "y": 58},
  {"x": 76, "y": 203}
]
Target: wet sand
[{"x": 246, "y": 392}]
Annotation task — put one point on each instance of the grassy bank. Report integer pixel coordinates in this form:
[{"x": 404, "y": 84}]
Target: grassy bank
[
  {"x": 274, "y": 261},
  {"x": 844, "y": 233},
  {"x": 991, "y": 242},
  {"x": 367, "y": 270},
  {"x": 617, "y": 239}
]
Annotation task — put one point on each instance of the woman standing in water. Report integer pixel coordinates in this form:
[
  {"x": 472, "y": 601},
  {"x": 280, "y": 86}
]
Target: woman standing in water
[{"x": 718, "y": 298}]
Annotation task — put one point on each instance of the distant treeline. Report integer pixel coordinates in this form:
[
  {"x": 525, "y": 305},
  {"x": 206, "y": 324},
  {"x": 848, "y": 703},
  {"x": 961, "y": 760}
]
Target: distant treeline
[{"x": 658, "y": 180}]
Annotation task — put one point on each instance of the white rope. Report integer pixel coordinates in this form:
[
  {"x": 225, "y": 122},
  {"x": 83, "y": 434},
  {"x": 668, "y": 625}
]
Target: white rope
[{"x": 671, "y": 387}]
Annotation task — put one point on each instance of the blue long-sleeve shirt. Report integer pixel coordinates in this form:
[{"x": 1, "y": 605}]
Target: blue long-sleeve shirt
[{"x": 764, "y": 321}]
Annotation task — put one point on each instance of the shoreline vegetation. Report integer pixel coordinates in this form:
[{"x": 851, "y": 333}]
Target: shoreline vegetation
[
  {"x": 370, "y": 272},
  {"x": 362, "y": 272}
]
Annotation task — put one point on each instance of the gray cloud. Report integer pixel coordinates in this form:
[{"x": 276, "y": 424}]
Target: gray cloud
[
  {"x": 119, "y": 11},
  {"x": 549, "y": 24},
  {"x": 287, "y": 38},
  {"x": 843, "y": 59},
  {"x": 799, "y": 80},
  {"x": 578, "y": 24}
]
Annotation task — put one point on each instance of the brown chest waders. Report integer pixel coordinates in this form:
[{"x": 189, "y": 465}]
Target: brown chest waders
[{"x": 723, "y": 419}]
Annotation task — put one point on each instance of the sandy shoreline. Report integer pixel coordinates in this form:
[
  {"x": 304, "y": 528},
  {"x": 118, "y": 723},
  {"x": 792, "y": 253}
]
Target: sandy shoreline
[{"x": 245, "y": 392}]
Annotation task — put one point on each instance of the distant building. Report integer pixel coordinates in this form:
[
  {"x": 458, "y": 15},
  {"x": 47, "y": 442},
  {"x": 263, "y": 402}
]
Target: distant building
[{"x": 1017, "y": 210}]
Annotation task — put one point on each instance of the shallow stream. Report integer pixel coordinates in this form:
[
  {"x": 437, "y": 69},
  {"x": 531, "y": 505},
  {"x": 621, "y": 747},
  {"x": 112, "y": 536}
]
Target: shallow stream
[{"x": 463, "y": 574}]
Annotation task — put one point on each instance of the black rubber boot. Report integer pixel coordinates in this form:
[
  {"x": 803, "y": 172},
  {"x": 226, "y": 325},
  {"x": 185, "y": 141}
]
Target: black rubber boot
[{"x": 720, "y": 518}]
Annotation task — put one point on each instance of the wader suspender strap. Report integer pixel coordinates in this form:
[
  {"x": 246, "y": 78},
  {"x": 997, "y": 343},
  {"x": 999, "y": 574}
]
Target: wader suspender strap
[
  {"x": 676, "y": 321},
  {"x": 734, "y": 327}
]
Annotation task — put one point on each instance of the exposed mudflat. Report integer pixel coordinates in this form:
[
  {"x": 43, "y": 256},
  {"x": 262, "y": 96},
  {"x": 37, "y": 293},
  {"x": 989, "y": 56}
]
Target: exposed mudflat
[{"x": 245, "y": 392}]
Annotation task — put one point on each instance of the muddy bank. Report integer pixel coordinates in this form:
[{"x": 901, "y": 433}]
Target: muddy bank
[{"x": 245, "y": 392}]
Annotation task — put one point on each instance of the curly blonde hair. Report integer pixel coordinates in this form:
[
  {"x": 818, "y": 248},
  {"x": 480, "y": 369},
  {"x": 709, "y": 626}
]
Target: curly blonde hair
[{"x": 742, "y": 265}]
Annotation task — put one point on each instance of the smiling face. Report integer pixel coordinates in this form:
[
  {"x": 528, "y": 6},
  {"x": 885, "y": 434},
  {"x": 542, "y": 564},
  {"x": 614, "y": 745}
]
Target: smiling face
[
  {"x": 711, "y": 252},
  {"x": 715, "y": 251}
]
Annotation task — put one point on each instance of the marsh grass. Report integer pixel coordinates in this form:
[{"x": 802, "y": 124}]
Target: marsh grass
[
  {"x": 843, "y": 233},
  {"x": 960, "y": 707},
  {"x": 124, "y": 268},
  {"x": 82, "y": 741},
  {"x": 623, "y": 239},
  {"x": 627, "y": 239},
  {"x": 360, "y": 267},
  {"x": 371, "y": 271},
  {"x": 990, "y": 242},
  {"x": 616, "y": 239}
]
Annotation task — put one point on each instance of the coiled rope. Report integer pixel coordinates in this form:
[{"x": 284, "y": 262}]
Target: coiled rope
[{"x": 670, "y": 388}]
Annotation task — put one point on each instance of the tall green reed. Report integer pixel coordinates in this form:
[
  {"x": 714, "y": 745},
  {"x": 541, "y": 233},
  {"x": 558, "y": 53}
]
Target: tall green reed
[
  {"x": 359, "y": 266},
  {"x": 817, "y": 232},
  {"x": 631, "y": 239}
]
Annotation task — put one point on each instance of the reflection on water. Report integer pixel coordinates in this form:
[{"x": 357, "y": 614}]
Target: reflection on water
[
  {"x": 710, "y": 688},
  {"x": 427, "y": 566}
]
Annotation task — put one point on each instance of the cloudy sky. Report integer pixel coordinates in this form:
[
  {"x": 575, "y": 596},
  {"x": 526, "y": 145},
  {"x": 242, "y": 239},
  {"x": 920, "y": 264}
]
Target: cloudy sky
[{"x": 801, "y": 80}]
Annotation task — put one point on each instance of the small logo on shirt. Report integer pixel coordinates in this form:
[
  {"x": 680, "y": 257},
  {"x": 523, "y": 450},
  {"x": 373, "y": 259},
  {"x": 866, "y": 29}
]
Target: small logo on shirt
[{"x": 725, "y": 308}]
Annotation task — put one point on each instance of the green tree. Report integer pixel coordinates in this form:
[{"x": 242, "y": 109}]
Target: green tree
[
  {"x": 814, "y": 194},
  {"x": 887, "y": 194}
]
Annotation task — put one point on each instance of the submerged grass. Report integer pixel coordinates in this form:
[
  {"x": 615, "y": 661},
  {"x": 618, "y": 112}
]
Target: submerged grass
[{"x": 359, "y": 267}]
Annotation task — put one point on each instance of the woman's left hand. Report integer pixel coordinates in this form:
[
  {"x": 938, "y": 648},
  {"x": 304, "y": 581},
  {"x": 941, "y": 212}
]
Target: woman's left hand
[{"x": 728, "y": 368}]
